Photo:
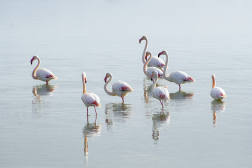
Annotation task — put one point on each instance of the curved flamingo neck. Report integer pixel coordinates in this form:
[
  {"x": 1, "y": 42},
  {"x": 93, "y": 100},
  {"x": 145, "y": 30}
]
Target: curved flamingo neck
[
  {"x": 145, "y": 64},
  {"x": 34, "y": 76},
  {"x": 155, "y": 81},
  {"x": 213, "y": 85},
  {"x": 84, "y": 84},
  {"x": 144, "y": 52},
  {"x": 105, "y": 87},
  {"x": 165, "y": 68}
]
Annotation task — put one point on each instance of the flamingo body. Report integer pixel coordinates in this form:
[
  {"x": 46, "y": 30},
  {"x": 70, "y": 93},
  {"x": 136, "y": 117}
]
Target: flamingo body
[
  {"x": 89, "y": 98},
  {"x": 42, "y": 73},
  {"x": 177, "y": 77},
  {"x": 148, "y": 71},
  {"x": 118, "y": 88},
  {"x": 217, "y": 93},
  {"x": 155, "y": 61},
  {"x": 160, "y": 93}
]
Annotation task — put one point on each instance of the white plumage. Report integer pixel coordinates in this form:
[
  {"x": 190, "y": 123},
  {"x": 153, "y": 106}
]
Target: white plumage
[
  {"x": 177, "y": 77},
  {"x": 118, "y": 88},
  {"x": 89, "y": 98},
  {"x": 148, "y": 72},
  {"x": 160, "y": 93},
  {"x": 217, "y": 93},
  {"x": 155, "y": 61},
  {"x": 42, "y": 73}
]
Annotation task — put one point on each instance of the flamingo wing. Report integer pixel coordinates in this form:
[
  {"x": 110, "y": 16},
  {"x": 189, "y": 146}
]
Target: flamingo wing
[
  {"x": 217, "y": 93},
  {"x": 160, "y": 93},
  {"x": 156, "y": 62},
  {"x": 121, "y": 86},
  {"x": 45, "y": 74},
  {"x": 151, "y": 69},
  {"x": 180, "y": 77},
  {"x": 91, "y": 99}
]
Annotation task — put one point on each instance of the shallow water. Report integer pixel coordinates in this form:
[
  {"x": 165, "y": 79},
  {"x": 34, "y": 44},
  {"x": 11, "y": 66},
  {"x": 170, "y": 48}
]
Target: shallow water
[{"x": 46, "y": 126}]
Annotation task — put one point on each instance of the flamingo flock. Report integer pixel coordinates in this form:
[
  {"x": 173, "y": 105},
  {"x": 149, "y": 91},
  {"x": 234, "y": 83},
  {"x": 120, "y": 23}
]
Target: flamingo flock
[{"x": 152, "y": 68}]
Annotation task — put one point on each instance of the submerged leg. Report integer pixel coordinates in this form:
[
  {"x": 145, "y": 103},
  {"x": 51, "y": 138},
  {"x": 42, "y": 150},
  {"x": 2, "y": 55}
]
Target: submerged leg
[{"x": 95, "y": 111}]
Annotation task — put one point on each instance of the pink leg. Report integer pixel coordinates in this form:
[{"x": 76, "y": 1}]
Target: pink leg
[
  {"x": 122, "y": 99},
  {"x": 87, "y": 114},
  {"x": 161, "y": 104},
  {"x": 95, "y": 111},
  {"x": 46, "y": 82},
  {"x": 179, "y": 87}
]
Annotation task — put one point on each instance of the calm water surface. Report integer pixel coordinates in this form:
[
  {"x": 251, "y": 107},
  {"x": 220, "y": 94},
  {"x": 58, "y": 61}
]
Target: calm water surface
[{"x": 46, "y": 126}]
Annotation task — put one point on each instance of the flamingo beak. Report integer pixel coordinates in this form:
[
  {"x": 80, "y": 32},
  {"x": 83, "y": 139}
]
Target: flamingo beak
[
  {"x": 105, "y": 79},
  {"x": 140, "y": 40},
  {"x": 146, "y": 57},
  {"x": 32, "y": 60},
  {"x": 151, "y": 77},
  {"x": 160, "y": 54},
  {"x": 85, "y": 80}
]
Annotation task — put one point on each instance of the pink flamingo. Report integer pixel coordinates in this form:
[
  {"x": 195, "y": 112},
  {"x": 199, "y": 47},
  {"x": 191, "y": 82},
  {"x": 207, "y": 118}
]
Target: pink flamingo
[
  {"x": 41, "y": 74},
  {"x": 148, "y": 72},
  {"x": 89, "y": 98},
  {"x": 217, "y": 93},
  {"x": 160, "y": 93},
  {"x": 177, "y": 77},
  {"x": 118, "y": 88},
  {"x": 155, "y": 61}
]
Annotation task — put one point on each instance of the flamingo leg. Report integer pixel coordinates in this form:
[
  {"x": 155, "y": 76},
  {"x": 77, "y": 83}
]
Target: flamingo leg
[
  {"x": 46, "y": 82},
  {"x": 95, "y": 111},
  {"x": 161, "y": 103},
  {"x": 122, "y": 99},
  {"x": 87, "y": 114},
  {"x": 179, "y": 87}
]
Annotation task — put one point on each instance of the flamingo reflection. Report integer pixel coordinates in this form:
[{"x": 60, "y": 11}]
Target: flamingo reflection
[
  {"x": 90, "y": 130},
  {"x": 41, "y": 91},
  {"x": 217, "y": 106},
  {"x": 117, "y": 112},
  {"x": 159, "y": 120},
  {"x": 181, "y": 95}
]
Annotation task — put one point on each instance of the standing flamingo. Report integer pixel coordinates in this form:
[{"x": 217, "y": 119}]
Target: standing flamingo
[
  {"x": 217, "y": 93},
  {"x": 160, "y": 93},
  {"x": 148, "y": 72},
  {"x": 118, "y": 88},
  {"x": 89, "y": 98},
  {"x": 177, "y": 77},
  {"x": 155, "y": 61},
  {"x": 41, "y": 74}
]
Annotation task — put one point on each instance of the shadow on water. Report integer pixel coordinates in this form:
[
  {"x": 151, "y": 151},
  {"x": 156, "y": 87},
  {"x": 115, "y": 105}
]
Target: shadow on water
[
  {"x": 117, "y": 112},
  {"x": 181, "y": 95},
  {"x": 90, "y": 130},
  {"x": 217, "y": 106},
  {"x": 159, "y": 120},
  {"x": 40, "y": 91}
]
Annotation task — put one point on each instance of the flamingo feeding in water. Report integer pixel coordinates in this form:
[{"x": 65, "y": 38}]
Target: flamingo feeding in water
[
  {"x": 41, "y": 74},
  {"x": 155, "y": 61},
  {"x": 118, "y": 88},
  {"x": 177, "y": 77},
  {"x": 217, "y": 93},
  {"x": 148, "y": 72},
  {"x": 89, "y": 98},
  {"x": 160, "y": 93}
]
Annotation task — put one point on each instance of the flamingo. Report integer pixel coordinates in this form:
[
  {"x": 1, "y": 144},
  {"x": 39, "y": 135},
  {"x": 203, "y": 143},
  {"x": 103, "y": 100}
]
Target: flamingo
[
  {"x": 148, "y": 72},
  {"x": 155, "y": 61},
  {"x": 217, "y": 93},
  {"x": 118, "y": 88},
  {"x": 89, "y": 98},
  {"x": 160, "y": 93},
  {"x": 177, "y": 77},
  {"x": 41, "y": 74}
]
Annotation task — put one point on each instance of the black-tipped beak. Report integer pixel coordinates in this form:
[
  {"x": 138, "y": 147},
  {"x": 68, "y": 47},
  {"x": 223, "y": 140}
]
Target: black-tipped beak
[{"x": 151, "y": 79}]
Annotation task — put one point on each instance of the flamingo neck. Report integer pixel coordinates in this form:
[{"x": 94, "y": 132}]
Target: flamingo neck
[
  {"x": 84, "y": 84},
  {"x": 155, "y": 82},
  {"x": 144, "y": 52},
  {"x": 165, "y": 69},
  {"x": 145, "y": 65},
  {"x": 213, "y": 85},
  {"x": 34, "y": 76},
  {"x": 105, "y": 87}
]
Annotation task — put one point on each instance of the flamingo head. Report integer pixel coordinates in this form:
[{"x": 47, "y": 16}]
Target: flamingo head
[
  {"x": 154, "y": 74},
  {"x": 35, "y": 57},
  {"x": 143, "y": 38},
  {"x": 108, "y": 75},
  {"x": 162, "y": 53},
  {"x": 213, "y": 76},
  {"x": 84, "y": 78}
]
